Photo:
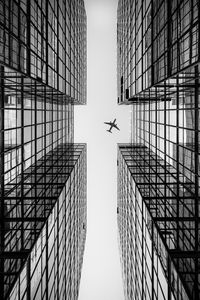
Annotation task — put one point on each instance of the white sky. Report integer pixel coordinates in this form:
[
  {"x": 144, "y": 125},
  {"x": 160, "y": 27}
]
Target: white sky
[{"x": 101, "y": 273}]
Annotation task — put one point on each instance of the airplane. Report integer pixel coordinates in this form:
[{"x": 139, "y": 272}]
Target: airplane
[{"x": 112, "y": 124}]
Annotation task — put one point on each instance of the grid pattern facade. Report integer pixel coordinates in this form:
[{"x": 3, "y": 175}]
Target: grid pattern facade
[
  {"x": 34, "y": 120},
  {"x": 42, "y": 173},
  {"x": 156, "y": 40},
  {"x": 170, "y": 128},
  {"x": 165, "y": 96},
  {"x": 46, "y": 40},
  {"x": 44, "y": 250},
  {"x": 157, "y": 232}
]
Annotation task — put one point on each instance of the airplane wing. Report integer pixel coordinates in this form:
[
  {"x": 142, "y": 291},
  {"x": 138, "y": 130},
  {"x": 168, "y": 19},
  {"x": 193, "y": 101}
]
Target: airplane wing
[
  {"x": 108, "y": 123},
  {"x": 116, "y": 127}
]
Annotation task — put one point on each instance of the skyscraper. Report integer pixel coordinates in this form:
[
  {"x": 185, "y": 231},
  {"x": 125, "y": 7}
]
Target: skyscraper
[
  {"x": 158, "y": 194},
  {"x": 43, "y": 173}
]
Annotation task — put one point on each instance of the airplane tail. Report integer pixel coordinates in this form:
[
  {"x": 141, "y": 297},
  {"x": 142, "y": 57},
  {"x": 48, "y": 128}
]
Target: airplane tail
[{"x": 109, "y": 131}]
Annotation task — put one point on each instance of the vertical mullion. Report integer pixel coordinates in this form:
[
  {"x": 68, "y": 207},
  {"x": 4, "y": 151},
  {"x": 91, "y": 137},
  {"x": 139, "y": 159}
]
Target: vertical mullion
[
  {"x": 191, "y": 28},
  {"x": 65, "y": 242},
  {"x": 47, "y": 261},
  {"x": 152, "y": 44},
  {"x": 47, "y": 43},
  {"x": 2, "y": 203},
  {"x": 58, "y": 75},
  {"x": 169, "y": 38},
  {"x": 153, "y": 257},
  {"x": 169, "y": 278},
  {"x": 28, "y": 277},
  {"x": 135, "y": 51},
  {"x": 28, "y": 15},
  {"x": 9, "y": 32},
  {"x": 196, "y": 292},
  {"x": 156, "y": 151},
  {"x": 198, "y": 5},
  {"x": 165, "y": 155},
  {"x": 177, "y": 161},
  {"x": 36, "y": 157},
  {"x": 143, "y": 20},
  {"x": 22, "y": 162},
  {"x": 57, "y": 245},
  {"x": 18, "y": 37}
]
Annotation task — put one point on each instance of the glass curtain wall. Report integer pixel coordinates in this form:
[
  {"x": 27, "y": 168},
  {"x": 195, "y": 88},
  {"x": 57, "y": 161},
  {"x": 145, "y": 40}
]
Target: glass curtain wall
[{"x": 158, "y": 74}]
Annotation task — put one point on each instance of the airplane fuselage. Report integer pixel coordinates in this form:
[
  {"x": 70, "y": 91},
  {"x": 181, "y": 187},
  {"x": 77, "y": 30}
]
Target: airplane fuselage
[{"x": 112, "y": 125}]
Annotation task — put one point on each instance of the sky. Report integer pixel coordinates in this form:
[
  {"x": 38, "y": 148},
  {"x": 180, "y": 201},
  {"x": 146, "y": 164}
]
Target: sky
[{"x": 101, "y": 274}]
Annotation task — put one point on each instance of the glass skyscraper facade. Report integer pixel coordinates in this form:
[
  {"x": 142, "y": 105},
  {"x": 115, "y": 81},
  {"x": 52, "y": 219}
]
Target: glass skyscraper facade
[
  {"x": 147, "y": 219},
  {"x": 43, "y": 173},
  {"x": 158, "y": 74},
  {"x": 44, "y": 248},
  {"x": 157, "y": 39},
  {"x": 46, "y": 40}
]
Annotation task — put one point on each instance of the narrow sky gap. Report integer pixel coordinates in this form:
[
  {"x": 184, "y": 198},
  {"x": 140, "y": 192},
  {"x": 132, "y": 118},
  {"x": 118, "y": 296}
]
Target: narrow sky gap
[{"x": 101, "y": 275}]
